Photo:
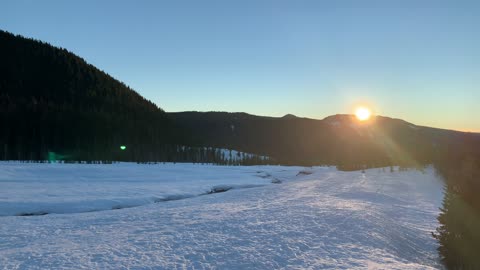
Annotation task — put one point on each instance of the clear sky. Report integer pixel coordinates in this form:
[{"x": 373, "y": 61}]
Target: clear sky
[{"x": 416, "y": 60}]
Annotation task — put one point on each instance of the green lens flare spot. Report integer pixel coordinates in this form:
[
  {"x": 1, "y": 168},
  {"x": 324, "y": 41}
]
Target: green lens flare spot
[
  {"x": 52, "y": 156},
  {"x": 123, "y": 147}
]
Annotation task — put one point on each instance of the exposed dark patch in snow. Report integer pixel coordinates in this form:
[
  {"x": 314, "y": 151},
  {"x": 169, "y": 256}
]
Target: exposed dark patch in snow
[
  {"x": 31, "y": 214},
  {"x": 263, "y": 175},
  {"x": 304, "y": 172},
  {"x": 116, "y": 207},
  {"x": 219, "y": 189},
  {"x": 173, "y": 198},
  {"x": 224, "y": 188},
  {"x": 276, "y": 181},
  {"x": 266, "y": 175}
]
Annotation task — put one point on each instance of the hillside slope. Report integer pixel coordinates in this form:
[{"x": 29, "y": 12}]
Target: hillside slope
[
  {"x": 54, "y": 101},
  {"x": 339, "y": 140}
]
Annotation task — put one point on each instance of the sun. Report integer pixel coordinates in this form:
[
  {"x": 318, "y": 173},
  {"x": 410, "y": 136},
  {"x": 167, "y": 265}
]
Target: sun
[{"x": 363, "y": 113}]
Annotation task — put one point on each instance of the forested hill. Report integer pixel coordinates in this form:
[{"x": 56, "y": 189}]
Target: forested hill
[
  {"x": 337, "y": 140},
  {"x": 54, "y": 101}
]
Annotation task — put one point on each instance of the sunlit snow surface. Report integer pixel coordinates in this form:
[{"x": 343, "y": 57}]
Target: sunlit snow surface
[{"x": 326, "y": 219}]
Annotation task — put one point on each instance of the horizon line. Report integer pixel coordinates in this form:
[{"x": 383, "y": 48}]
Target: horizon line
[{"x": 318, "y": 119}]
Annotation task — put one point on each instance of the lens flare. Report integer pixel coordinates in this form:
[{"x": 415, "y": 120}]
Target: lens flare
[{"x": 363, "y": 114}]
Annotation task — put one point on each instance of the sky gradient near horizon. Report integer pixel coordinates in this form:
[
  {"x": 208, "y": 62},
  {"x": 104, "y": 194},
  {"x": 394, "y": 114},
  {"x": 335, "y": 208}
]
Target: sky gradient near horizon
[{"x": 414, "y": 60}]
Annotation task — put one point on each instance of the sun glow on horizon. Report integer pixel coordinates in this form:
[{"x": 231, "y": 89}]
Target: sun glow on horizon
[{"x": 362, "y": 113}]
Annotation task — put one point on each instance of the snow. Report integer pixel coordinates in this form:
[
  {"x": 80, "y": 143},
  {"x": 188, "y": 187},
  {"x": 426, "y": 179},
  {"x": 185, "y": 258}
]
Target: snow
[
  {"x": 37, "y": 188},
  {"x": 315, "y": 218}
]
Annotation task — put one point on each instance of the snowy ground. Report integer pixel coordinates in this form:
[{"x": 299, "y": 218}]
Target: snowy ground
[{"x": 321, "y": 218}]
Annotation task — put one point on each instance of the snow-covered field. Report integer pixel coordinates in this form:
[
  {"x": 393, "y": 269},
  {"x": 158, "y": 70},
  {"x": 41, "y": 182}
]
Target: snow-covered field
[{"x": 170, "y": 217}]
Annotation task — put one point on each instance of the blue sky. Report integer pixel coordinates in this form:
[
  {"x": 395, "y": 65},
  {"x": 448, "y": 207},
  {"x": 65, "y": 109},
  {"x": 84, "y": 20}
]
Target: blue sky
[{"x": 415, "y": 60}]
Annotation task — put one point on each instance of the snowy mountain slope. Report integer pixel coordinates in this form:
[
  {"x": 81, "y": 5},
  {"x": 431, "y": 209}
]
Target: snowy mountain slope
[{"x": 321, "y": 218}]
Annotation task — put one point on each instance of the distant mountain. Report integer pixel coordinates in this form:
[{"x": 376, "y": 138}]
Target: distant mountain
[
  {"x": 289, "y": 116},
  {"x": 337, "y": 140},
  {"x": 52, "y": 101}
]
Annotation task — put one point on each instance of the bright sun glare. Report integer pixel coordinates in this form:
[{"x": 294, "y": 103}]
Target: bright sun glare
[{"x": 363, "y": 113}]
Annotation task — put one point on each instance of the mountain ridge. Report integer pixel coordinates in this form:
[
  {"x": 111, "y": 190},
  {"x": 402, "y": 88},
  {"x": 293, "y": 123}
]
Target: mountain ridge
[
  {"x": 53, "y": 101},
  {"x": 292, "y": 116}
]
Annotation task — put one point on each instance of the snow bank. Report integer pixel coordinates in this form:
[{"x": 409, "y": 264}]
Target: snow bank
[
  {"x": 40, "y": 188},
  {"x": 322, "y": 220}
]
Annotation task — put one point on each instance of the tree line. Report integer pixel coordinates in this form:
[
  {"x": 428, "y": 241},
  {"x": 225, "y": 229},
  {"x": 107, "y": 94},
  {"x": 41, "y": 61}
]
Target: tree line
[{"x": 459, "y": 230}]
